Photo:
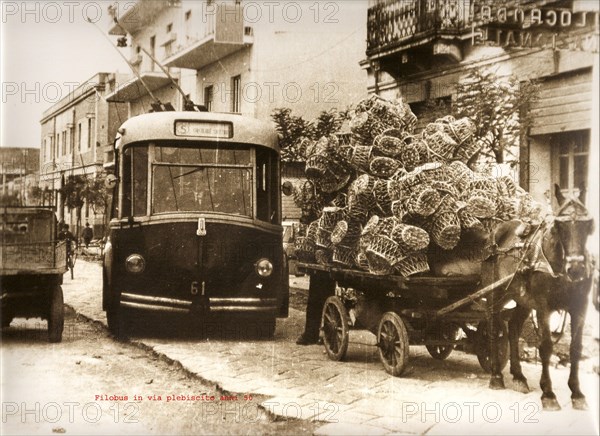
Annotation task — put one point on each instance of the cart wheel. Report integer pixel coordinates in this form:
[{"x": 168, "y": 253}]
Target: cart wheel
[
  {"x": 392, "y": 341},
  {"x": 56, "y": 315},
  {"x": 482, "y": 346},
  {"x": 442, "y": 332},
  {"x": 116, "y": 320},
  {"x": 335, "y": 325}
]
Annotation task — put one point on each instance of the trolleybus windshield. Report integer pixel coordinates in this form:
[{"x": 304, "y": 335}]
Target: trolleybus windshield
[{"x": 201, "y": 179}]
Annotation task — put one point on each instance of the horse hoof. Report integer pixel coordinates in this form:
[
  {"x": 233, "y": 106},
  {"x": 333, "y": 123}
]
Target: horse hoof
[
  {"x": 496, "y": 383},
  {"x": 579, "y": 404},
  {"x": 521, "y": 386},
  {"x": 550, "y": 404}
]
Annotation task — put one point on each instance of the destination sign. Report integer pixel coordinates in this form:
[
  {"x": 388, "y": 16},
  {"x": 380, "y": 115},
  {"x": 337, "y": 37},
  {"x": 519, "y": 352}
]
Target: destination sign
[{"x": 203, "y": 129}]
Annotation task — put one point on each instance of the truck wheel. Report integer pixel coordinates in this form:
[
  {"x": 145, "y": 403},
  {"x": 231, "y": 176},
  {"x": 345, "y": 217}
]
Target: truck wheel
[
  {"x": 392, "y": 341},
  {"x": 56, "y": 315}
]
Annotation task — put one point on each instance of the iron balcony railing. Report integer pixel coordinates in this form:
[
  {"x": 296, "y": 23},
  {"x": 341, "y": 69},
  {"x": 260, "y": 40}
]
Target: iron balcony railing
[{"x": 394, "y": 23}]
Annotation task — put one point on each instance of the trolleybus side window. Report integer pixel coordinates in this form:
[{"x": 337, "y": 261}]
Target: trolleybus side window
[
  {"x": 135, "y": 181},
  {"x": 267, "y": 183},
  {"x": 126, "y": 185},
  {"x": 140, "y": 180}
]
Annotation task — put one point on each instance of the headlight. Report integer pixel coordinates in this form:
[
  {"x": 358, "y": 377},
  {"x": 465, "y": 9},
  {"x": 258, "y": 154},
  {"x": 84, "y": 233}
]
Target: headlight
[
  {"x": 135, "y": 263},
  {"x": 264, "y": 268}
]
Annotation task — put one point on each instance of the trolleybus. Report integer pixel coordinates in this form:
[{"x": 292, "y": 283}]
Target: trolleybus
[{"x": 196, "y": 220}]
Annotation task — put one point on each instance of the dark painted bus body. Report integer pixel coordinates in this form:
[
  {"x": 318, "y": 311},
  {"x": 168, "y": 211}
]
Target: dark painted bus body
[{"x": 196, "y": 220}]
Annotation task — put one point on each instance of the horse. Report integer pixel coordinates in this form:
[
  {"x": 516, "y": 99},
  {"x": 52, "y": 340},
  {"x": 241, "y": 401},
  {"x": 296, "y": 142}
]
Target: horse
[{"x": 559, "y": 277}]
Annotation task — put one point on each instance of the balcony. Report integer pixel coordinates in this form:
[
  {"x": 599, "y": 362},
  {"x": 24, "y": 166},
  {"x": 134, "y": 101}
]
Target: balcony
[
  {"x": 395, "y": 25},
  {"x": 135, "y": 16},
  {"x": 220, "y": 35},
  {"x": 135, "y": 89}
]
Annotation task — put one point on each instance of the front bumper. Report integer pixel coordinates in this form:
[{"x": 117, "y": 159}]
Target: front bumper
[{"x": 264, "y": 306}]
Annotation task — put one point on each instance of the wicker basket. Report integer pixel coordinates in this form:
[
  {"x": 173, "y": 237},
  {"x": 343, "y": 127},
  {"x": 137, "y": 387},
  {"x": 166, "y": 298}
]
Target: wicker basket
[
  {"x": 394, "y": 133},
  {"x": 412, "y": 264},
  {"x": 424, "y": 200},
  {"x": 441, "y": 145},
  {"x": 360, "y": 157},
  {"x": 330, "y": 217},
  {"x": 316, "y": 165},
  {"x": 382, "y": 197},
  {"x": 468, "y": 221},
  {"x": 445, "y": 188},
  {"x": 382, "y": 253},
  {"x": 481, "y": 204},
  {"x": 370, "y": 228},
  {"x": 507, "y": 187},
  {"x": 382, "y": 166},
  {"x": 432, "y": 171},
  {"x": 465, "y": 151},
  {"x": 333, "y": 181},
  {"x": 344, "y": 255},
  {"x": 414, "y": 152},
  {"x": 487, "y": 184},
  {"x": 304, "y": 248},
  {"x": 449, "y": 203},
  {"x": 399, "y": 209},
  {"x": 446, "y": 230},
  {"x": 461, "y": 175},
  {"x": 507, "y": 208},
  {"x": 409, "y": 120},
  {"x": 388, "y": 145},
  {"x": 410, "y": 238},
  {"x": 462, "y": 129},
  {"x": 339, "y": 232},
  {"x": 326, "y": 223}
]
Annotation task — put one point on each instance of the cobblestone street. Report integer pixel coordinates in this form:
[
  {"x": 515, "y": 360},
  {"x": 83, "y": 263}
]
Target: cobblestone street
[{"x": 356, "y": 396}]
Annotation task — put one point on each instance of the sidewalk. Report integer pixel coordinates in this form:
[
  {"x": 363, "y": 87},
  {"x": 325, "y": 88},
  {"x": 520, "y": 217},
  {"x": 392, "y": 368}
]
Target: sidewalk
[{"x": 357, "y": 396}]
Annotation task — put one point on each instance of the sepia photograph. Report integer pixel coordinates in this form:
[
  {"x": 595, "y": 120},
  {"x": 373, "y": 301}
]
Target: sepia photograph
[{"x": 309, "y": 217}]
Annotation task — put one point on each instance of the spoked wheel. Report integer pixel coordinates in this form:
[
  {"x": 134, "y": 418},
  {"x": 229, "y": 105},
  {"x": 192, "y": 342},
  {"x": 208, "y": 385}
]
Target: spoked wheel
[
  {"x": 56, "y": 315},
  {"x": 392, "y": 341},
  {"x": 442, "y": 332},
  {"x": 482, "y": 346},
  {"x": 335, "y": 324}
]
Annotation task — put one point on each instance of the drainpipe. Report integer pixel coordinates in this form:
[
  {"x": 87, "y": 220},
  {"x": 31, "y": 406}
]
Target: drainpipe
[{"x": 593, "y": 187}]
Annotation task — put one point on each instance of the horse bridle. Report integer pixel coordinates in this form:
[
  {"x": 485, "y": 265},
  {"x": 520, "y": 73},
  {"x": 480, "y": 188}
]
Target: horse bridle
[{"x": 570, "y": 259}]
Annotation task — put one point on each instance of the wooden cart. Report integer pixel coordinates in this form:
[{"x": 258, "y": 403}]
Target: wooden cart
[
  {"x": 32, "y": 264},
  {"x": 418, "y": 310}
]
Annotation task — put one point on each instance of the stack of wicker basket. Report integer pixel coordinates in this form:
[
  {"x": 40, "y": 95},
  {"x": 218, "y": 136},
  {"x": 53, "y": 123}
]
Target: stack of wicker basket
[{"x": 385, "y": 196}]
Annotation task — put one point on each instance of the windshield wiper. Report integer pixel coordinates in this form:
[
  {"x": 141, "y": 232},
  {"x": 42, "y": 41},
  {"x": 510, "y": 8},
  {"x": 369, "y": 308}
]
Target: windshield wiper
[{"x": 195, "y": 170}]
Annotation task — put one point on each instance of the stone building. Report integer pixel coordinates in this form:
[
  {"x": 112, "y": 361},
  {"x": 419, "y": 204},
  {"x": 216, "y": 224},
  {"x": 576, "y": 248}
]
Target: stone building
[
  {"x": 245, "y": 57},
  {"x": 421, "y": 49},
  {"x": 77, "y": 139}
]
